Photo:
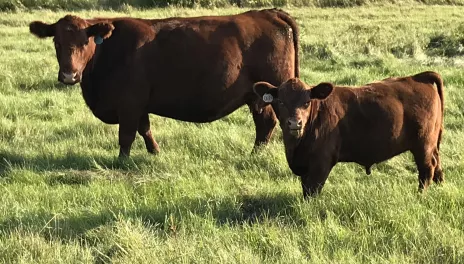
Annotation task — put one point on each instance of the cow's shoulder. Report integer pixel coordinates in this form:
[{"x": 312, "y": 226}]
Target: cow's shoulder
[
  {"x": 138, "y": 28},
  {"x": 128, "y": 35}
]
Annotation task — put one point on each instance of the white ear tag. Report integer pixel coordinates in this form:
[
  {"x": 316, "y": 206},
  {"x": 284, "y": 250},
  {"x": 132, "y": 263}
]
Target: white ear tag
[{"x": 268, "y": 98}]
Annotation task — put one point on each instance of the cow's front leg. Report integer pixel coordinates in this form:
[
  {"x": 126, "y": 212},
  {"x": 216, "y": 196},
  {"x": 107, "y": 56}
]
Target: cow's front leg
[
  {"x": 128, "y": 125},
  {"x": 314, "y": 179}
]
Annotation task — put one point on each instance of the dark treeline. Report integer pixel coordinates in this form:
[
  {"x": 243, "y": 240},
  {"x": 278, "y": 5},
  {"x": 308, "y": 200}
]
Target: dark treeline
[{"x": 11, "y": 5}]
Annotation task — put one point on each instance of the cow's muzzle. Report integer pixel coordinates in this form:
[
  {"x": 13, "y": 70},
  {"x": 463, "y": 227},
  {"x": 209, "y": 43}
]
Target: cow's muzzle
[{"x": 69, "y": 78}]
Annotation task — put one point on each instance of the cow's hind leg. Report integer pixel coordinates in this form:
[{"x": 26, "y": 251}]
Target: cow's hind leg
[
  {"x": 438, "y": 176},
  {"x": 145, "y": 132},
  {"x": 265, "y": 122},
  {"x": 426, "y": 163}
]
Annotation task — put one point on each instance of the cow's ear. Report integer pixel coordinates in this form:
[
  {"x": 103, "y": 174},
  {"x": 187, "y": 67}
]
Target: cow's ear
[
  {"x": 103, "y": 30},
  {"x": 42, "y": 30},
  {"x": 321, "y": 91},
  {"x": 266, "y": 91}
]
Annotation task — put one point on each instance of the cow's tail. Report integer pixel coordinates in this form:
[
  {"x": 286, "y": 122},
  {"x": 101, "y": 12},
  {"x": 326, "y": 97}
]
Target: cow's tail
[
  {"x": 433, "y": 77},
  {"x": 296, "y": 32}
]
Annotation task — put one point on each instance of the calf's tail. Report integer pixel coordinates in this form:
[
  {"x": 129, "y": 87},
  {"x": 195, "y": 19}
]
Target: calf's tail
[{"x": 439, "y": 83}]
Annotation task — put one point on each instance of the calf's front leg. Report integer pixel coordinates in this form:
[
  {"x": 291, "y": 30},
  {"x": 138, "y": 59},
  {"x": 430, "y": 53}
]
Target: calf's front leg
[{"x": 314, "y": 179}]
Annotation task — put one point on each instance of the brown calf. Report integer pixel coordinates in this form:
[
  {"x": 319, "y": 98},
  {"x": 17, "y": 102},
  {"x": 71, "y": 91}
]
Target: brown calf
[
  {"x": 326, "y": 124},
  {"x": 195, "y": 69}
]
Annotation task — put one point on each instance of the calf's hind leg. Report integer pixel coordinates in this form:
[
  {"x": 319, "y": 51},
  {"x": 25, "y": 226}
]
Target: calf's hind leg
[
  {"x": 426, "y": 163},
  {"x": 265, "y": 122},
  {"x": 145, "y": 132},
  {"x": 438, "y": 176}
]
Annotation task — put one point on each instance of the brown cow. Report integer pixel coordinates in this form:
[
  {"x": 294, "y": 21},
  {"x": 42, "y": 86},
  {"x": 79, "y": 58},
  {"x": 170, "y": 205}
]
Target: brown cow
[
  {"x": 191, "y": 69},
  {"x": 326, "y": 124}
]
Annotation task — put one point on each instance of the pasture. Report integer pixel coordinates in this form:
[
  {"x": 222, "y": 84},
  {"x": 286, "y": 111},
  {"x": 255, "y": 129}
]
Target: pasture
[{"x": 204, "y": 199}]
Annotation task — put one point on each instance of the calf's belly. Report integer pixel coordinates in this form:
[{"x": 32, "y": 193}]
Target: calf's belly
[{"x": 372, "y": 153}]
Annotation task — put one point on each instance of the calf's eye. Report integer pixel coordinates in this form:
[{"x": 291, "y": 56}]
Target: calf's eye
[{"x": 306, "y": 105}]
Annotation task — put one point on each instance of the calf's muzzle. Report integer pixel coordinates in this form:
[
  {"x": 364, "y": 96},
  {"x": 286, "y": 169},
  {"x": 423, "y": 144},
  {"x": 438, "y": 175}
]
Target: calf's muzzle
[{"x": 295, "y": 126}]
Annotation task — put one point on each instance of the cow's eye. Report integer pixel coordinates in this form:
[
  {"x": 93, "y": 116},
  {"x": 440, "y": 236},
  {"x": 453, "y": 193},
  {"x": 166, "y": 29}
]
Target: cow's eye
[{"x": 306, "y": 105}]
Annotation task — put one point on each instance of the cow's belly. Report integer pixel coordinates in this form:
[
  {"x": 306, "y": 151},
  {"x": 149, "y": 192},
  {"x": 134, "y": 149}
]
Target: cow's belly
[
  {"x": 197, "y": 112},
  {"x": 208, "y": 102},
  {"x": 108, "y": 117},
  {"x": 106, "y": 114}
]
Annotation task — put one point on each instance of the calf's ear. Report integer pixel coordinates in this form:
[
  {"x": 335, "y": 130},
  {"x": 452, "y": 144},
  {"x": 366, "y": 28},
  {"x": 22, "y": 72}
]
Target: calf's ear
[
  {"x": 103, "y": 30},
  {"x": 42, "y": 30},
  {"x": 321, "y": 91},
  {"x": 266, "y": 91}
]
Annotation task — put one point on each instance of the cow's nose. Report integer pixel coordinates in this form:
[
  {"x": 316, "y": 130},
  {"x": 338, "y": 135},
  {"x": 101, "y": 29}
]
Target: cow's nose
[
  {"x": 293, "y": 123},
  {"x": 69, "y": 77}
]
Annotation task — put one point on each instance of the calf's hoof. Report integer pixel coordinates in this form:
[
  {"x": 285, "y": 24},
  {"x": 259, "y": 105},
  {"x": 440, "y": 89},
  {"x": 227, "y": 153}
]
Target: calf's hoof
[{"x": 438, "y": 177}]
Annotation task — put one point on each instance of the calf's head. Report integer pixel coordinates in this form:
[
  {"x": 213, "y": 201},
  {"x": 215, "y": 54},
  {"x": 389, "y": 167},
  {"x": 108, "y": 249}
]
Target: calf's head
[
  {"x": 75, "y": 41},
  {"x": 294, "y": 99}
]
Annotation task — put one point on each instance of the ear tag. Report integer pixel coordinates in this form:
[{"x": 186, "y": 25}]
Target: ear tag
[
  {"x": 98, "y": 40},
  {"x": 268, "y": 98}
]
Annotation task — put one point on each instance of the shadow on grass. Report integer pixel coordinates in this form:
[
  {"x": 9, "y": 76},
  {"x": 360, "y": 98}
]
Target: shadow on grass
[
  {"x": 167, "y": 219},
  {"x": 70, "y": 161},
  {"x": 256, "y": 209},
  {"x": 44, "y": 85},
  {"x": 71, "y": 178}
]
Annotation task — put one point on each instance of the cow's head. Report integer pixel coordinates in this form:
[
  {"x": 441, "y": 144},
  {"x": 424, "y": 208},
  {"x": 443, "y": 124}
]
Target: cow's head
[
  {"x": 294, "y": 98},
  {"x": 74, "y": 40}
]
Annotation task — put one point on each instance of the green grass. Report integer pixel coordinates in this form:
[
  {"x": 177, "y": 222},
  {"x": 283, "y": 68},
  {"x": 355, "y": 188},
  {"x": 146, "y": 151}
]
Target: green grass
[{"x": 204, "y": 199}]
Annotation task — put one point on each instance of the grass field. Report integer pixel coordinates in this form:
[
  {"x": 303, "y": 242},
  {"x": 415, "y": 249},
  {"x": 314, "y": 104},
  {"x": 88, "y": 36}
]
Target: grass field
[{"x": 204, "y": 199}]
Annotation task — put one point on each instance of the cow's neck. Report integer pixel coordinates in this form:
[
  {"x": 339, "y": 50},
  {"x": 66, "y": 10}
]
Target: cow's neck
[{"x": 89, "y": 83}]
